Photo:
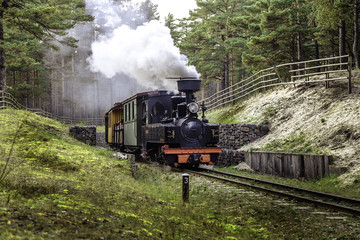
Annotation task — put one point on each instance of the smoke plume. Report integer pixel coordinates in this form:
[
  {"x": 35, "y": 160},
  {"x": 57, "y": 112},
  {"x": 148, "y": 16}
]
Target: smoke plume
[
  {"x": 126, "y": 53},
  {"x": 146, "y": 54}
]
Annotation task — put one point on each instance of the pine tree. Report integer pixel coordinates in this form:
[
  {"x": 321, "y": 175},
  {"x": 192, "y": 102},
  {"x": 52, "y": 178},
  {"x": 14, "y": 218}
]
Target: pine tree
[
  {"x": 170, "y": 22},
  {"x": 213, "y": 42},
  {"x": 43, "y": 20},
  {"x": 25, "y": 69},
  {"x": 333, "y": 17},
  {"x": 150, "y": 10},
  {"x": 284, "y": 33}
]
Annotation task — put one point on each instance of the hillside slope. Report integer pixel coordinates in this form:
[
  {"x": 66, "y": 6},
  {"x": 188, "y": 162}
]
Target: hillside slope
[
  {"x": 60, "y": 188},
  {"x": 305, "y": 119}
]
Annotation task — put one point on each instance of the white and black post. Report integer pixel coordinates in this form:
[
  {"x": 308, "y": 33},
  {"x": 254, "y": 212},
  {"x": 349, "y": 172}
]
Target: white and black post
[{"x": 185, "y": 193}]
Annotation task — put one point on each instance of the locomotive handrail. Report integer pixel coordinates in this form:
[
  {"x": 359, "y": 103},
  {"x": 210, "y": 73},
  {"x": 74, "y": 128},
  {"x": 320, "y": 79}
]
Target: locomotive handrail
[
  {"x": 7, "y": 101},
  {"x": 296, "y": 72}
]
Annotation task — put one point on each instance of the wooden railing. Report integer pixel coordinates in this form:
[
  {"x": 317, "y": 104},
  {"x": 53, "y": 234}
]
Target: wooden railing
[
  {"x": 313, "y": 71},
  {"x": 305, "y": 72},
  {"x": 8, "y": 101}
]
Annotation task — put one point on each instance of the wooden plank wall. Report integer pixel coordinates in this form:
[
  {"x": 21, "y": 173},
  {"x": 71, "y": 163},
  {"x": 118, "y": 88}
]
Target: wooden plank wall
[{"x": 289, "y": 165}]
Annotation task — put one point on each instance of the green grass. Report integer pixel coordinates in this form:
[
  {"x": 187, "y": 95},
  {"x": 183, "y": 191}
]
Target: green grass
[
  {"x": 268, "y": 113},
  {"x": 295, "y": 143},
  {"x": 100, "y": 128},
  {"x": 235, "y": 114},
  {"x": 226, "y": 114},
  {"x": 59, "y": 188}
]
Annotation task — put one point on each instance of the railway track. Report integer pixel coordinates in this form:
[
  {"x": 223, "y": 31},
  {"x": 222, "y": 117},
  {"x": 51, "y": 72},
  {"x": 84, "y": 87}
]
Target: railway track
[{"x": 335, "y": 202}]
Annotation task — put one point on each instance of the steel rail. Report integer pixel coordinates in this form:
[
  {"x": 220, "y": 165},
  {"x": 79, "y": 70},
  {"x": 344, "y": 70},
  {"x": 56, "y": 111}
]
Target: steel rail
[
  {"x": 349, "y": 210},
  {"x": 304, "y": 190}
]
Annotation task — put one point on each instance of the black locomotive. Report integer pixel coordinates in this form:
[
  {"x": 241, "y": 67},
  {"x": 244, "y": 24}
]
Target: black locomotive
[{"x": 164, "y": 126}]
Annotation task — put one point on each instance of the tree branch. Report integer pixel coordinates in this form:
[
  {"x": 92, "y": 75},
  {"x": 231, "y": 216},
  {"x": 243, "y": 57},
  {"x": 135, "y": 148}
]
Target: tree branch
[{"x": 4, "y": 173}]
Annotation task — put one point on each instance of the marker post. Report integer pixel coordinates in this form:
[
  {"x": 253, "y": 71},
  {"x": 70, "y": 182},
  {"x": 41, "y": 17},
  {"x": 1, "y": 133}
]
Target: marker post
[{"x": 185, "y": 193}]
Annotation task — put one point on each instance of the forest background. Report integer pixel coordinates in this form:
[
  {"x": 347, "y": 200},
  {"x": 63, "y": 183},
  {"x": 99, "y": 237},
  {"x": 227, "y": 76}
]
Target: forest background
[{"x": 226, "y": 40}]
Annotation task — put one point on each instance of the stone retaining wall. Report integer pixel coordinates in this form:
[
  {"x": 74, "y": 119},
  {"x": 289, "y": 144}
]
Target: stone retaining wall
[
  {"x": 229, "y": 157},
  {"x": 100, "y": 139},
  {"x": 86, "y": 134},
  {"x": 234, "y": 136}
]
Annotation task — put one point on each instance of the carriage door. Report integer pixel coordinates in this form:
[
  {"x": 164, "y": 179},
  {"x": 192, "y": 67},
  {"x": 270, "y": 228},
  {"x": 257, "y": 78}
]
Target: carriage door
[{"x": 130, "y": 126}]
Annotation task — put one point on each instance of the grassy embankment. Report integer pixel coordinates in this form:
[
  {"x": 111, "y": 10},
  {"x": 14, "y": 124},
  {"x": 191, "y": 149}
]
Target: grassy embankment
[{"x": 58, "y": 188}]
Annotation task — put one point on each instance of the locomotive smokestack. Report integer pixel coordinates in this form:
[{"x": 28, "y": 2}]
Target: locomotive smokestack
[{"x": 189, "y": 86}]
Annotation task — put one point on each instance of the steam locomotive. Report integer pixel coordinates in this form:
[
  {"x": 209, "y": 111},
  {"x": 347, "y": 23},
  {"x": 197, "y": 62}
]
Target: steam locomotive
[{"x": 164, "y": 126}]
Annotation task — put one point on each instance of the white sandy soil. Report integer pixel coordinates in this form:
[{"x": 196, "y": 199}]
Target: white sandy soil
[{"x": 328, "y": 118}]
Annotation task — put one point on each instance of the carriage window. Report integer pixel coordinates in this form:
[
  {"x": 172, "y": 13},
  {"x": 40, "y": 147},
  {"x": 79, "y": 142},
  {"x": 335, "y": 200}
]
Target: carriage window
[
  {"x": 126, "y": 116},
  {"x": 158, "y": 109},
  {"x": 144, "y": 113},
  {"x": 128, "y": 107},
  {"x": 133, "y": 110}
]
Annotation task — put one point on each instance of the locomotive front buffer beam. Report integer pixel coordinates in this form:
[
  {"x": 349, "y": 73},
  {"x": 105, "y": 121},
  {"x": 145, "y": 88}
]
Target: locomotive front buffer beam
[{"x": 196, "y": 156}]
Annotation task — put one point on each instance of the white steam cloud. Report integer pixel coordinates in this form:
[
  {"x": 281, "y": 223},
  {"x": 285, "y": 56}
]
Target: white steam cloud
[{"x": 146, "y": 54}]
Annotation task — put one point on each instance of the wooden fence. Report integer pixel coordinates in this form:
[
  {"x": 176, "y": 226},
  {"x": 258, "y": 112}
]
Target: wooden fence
[
  {"x": 289, "y": 165},
  {"x": 313, "y": 71},
  {"x": 8, "y": 101}
]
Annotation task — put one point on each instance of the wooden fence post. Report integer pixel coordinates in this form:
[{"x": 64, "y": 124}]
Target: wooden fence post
[
  {"x": 134, "y": 167},
  {"x": 293, "y": 67},
  {"x": 5, "y": 100},
  {"x": 2, "y": 99},
  {"x": 327, "y": 76},
  {"x": 349, "y": 68},
  {"x": 278, "y": 75}
]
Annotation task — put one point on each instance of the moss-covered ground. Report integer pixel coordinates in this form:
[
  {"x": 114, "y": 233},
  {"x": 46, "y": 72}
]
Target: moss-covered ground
[{"x": 54, "y": 187}]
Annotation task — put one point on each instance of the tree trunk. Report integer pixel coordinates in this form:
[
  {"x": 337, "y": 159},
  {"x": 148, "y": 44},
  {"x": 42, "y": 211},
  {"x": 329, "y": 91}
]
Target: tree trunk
[
  {"x": 299, "y": 39},
  {"x": 226, "y": 71},
  {"x": 300, "y": 47},
  {"x": 342, "y": 41},
  {"x": 293, "y": 49},
  {"x": 2, "y": 54},
  {"x": 300, "y": 56},
  {"x": 293, "y": 55},
  {"x": 317, "y": 48},
  {"x": 356, "y": 35}
]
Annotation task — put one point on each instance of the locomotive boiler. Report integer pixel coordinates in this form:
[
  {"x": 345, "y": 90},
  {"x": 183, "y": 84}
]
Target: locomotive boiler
[{"x": 164, "y": 126}]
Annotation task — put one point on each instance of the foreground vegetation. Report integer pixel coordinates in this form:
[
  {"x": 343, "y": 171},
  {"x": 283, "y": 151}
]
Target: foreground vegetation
[{"x": 58, "y": 188}]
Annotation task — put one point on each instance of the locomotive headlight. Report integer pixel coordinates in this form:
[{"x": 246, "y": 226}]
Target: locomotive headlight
[{"x": 193, "y": 107}]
